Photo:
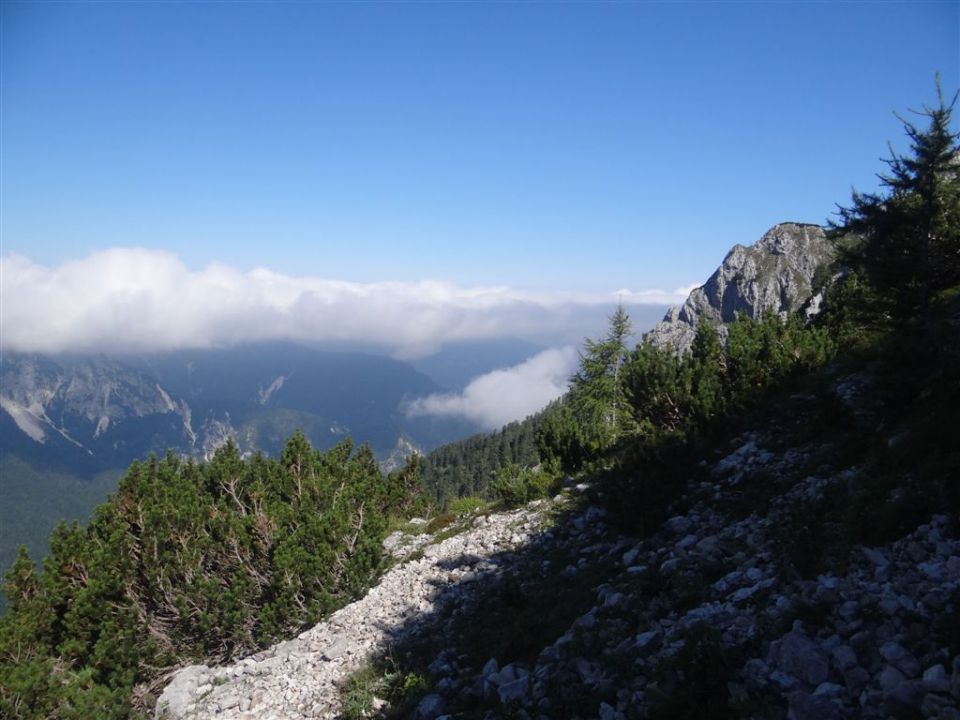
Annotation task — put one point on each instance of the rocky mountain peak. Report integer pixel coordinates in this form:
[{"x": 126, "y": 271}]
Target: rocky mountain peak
[{"x": 775, "y": 274}]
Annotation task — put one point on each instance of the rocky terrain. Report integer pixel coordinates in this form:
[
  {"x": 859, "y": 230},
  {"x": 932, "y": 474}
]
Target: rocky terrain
[
  {"x": 302, "y": 677},
  {"x": 714, "y": 602},
  {"x": 775, "y": 274}
]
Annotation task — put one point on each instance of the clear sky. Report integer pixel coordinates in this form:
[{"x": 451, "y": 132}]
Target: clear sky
[{"x": 544, "y": 146}]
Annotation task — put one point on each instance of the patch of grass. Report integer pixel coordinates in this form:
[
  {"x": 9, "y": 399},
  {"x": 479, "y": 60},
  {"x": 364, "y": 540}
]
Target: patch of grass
[
  {"x": 404, "y": 525},
  {"x": 456, "y": 518},
  {"x": 555, "y": 512},
  {"x": 514, "y": 485},
  {"x": 449, "y": 532},
  {"x": 467, "y": 505},
  {"x": 440, "y": 522},
  {"x": 385, "y": 680},
  {"x": 359, "y": 693}
]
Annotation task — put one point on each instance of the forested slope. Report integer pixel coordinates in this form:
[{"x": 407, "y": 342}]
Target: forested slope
[
  {"x": 191, "y": 561},
  {"x": 467, "y": 467}
]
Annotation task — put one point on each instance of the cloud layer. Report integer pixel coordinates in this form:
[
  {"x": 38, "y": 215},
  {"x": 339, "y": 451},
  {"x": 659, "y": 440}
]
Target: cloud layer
[
  {"x": 135, "y": 299},
  {"x": 494, "y": 399}
]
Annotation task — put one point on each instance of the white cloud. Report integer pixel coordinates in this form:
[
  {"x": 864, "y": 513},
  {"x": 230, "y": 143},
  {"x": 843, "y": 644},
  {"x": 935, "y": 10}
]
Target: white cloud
[
  {"x": 135, "y": 299},
  {"x": 494, "y": 399}
]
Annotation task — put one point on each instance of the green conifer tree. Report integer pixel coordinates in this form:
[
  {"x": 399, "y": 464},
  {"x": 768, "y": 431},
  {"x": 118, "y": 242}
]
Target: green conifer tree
[
  {"x": 658, "y": 389},
  {"x": 596, "y": 393},
  {"x": 910, "y": 231},
  {"x": 707, "y": 366}
]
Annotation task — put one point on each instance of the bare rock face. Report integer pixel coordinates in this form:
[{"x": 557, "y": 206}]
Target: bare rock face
[
  {"x": 775, "y": 274},
  {"x": 80, "y": 400}
]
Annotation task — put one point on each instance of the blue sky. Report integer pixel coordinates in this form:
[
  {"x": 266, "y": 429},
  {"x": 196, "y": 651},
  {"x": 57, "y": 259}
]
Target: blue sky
[{"x": 552, "y": 147}]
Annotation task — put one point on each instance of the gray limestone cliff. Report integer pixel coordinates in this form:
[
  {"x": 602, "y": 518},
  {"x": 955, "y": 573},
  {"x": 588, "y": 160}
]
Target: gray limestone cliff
[{"x": 775, "y": 274}]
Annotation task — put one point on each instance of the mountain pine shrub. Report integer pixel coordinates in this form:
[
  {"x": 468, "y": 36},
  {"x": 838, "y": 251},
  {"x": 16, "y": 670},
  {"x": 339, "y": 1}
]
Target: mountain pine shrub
[{"x": 192, "y": 562}]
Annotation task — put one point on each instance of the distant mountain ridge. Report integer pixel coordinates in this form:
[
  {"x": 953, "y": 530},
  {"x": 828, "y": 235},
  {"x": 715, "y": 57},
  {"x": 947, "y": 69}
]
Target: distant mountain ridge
[
  {"x": 103, "y": 410},
  {"x": 775, "y": 274},
  {"x": 70, "y": 424}
]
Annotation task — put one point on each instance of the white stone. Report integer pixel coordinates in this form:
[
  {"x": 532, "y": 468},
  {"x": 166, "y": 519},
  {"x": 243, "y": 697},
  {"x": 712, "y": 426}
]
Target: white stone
[{"x": 302, "y": 677}]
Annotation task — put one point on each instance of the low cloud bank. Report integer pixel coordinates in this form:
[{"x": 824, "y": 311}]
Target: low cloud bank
[
  {"x": 135, "y": 299},
  {"x": 501, "y": 396}
]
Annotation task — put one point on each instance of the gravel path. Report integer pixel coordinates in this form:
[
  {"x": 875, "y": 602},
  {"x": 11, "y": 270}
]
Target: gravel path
[{"x": 301, "y": 678}]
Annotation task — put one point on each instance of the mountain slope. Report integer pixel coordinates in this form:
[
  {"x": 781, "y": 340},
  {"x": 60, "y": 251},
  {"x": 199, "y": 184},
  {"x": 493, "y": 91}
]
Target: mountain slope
[
  {"x": 466, "y": 467},
  {"x": 758, "y": 597},
  {"x": 36, "y": 498}
]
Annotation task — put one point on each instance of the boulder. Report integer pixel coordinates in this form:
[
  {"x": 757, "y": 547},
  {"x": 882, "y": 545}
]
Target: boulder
[
  {"x": 844, "y": 658},
  {"x": 801, "y": 657},
  {"x": 182, "y": 691},
  {"x": 904, "y": 701},
  {"x": 514, "y": 691},
  {"x": 936, "y": 680},
  {"x": 804, "y": 706},
  {"x": 898, "y": 656},
  {"x": 430, "y": 707}
]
